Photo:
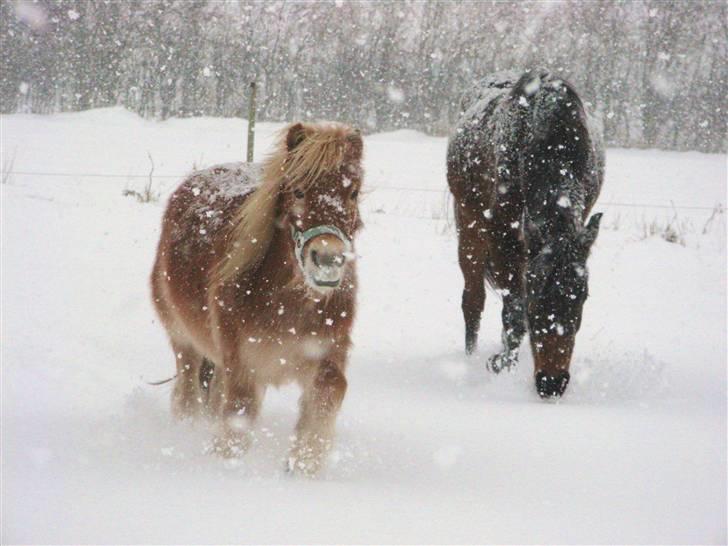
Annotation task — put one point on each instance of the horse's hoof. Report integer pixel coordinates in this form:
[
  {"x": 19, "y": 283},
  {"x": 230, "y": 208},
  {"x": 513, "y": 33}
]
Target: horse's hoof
[
  {"x": 471, "y": 343},
  {"x": 502, "y": 361},
  {"x": 551, "y": 386}
]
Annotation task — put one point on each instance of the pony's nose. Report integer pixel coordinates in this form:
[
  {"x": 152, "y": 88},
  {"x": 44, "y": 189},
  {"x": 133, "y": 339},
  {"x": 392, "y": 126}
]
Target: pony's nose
[
  {"x": 327, "y": 259},
  {"x": 327, "y": 251}
]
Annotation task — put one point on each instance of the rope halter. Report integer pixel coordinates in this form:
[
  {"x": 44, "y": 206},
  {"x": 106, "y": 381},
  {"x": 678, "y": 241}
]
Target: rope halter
[{"x": 300, "y": 238}]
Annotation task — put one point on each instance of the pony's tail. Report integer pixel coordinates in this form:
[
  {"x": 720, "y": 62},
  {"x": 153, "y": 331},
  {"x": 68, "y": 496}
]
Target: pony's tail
[{"x": 161, "y": 382}]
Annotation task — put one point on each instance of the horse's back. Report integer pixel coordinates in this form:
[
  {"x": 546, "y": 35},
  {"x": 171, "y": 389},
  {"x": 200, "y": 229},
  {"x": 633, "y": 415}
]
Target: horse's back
[
  {"x": 475, "y": 100},
  {"x": 470, "y": 154},
  {"x": 194, "y": 231},
  {"x": 502, "y": 116}
]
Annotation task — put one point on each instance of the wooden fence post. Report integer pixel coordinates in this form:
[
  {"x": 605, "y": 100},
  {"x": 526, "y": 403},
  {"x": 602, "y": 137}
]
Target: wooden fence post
[{"x": 251, "y": 122}]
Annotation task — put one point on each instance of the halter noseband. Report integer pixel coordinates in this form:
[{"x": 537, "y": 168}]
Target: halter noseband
[{"x": 300, "y": 238}]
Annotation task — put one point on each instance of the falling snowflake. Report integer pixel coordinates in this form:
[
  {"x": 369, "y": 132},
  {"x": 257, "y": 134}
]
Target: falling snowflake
[
  {"x": 564, "y": 201},
  {"x": 395, "y": 94}
]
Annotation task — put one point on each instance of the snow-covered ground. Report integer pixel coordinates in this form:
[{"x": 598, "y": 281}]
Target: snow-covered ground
[{"x": 430, "y": 447}]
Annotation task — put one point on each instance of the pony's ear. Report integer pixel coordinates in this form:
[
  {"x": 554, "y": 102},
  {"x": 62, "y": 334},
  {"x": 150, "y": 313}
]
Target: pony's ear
[
  {"x": 295, "y": 136},
  {"x": 591, "y": 230}
]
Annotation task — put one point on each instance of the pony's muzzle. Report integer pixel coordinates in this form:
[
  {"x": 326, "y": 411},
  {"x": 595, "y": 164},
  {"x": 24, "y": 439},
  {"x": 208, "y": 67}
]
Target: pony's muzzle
[{"x": 325, "y": 258}]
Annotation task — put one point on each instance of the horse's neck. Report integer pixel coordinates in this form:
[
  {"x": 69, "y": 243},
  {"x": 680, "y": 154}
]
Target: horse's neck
[
  {"x": 557, "y": 220},
  {"x": 550, "y": 203}
]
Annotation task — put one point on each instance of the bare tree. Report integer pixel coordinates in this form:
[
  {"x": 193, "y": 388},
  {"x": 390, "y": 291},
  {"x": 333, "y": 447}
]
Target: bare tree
[{"x": 654, "y": 70}]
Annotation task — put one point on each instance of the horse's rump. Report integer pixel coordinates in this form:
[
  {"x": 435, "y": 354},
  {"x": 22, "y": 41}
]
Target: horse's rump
[
  {"x": 517, "y": 140},
  {"x": 196, "y": 222}
]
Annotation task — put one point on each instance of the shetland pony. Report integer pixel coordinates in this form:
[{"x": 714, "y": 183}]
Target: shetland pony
[
  {"x": 525, "y": 169},
  {"x": 255, "y": 283}
]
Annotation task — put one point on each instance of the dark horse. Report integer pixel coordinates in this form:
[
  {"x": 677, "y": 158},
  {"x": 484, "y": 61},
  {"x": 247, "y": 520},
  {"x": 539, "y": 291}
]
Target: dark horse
[{"x": 525, "y": 170}]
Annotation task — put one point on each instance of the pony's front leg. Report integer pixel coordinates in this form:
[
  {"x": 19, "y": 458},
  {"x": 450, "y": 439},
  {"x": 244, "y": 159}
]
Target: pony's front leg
[
  {"x": 238, "y": 405},
  {"x": 320, "y": 403}
]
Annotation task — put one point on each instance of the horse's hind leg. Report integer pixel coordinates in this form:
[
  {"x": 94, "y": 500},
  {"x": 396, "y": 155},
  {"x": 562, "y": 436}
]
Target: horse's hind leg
[
  {"x": 186, "y": 395},
  {"x": 471, "y": 256}
]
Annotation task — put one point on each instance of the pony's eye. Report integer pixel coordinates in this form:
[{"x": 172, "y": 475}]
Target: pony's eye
[
  {"x": 298, "y": 193},
  {"x": 354, "y": 194}
]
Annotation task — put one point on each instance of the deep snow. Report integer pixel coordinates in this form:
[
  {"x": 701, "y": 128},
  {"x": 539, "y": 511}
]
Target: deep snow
[{"x": 430, "y": 447}]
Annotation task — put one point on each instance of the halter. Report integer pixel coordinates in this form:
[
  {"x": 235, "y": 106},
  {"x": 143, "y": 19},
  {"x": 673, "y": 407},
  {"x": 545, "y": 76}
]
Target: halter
[{"x": 300, "y": 238}]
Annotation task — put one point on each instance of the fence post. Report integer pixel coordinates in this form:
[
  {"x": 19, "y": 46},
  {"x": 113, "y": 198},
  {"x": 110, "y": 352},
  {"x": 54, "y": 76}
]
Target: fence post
[{"x": 251, "y": 122}]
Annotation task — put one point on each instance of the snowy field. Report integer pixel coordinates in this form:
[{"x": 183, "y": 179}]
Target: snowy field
[{"x": 430, "y": 448}]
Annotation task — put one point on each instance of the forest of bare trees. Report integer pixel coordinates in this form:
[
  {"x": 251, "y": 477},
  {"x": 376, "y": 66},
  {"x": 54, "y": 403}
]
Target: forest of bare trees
[{"x": 654, "y": 71}]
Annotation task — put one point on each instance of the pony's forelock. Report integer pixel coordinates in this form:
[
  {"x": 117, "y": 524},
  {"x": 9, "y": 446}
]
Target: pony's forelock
[{"x": 324, "y": 149}]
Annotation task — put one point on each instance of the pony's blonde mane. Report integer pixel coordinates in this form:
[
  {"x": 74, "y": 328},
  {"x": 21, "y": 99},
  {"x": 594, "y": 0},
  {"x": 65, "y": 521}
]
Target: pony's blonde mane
[{"x": 321, "y": 149}]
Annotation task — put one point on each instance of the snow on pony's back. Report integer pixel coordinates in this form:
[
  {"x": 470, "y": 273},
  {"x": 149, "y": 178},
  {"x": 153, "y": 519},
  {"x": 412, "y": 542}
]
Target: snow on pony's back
[{"x": 217, "y": 187}]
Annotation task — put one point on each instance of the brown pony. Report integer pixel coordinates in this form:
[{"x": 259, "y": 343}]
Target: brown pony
[
  {"x": 525, "y": 169},
  {"x": 255, "y": 282}
]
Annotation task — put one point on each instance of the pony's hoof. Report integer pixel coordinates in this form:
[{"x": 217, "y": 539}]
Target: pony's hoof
[
  {"x": 307, "y": 458},
  {"x": 551, "y": 386},
  {"x": 303, "y": 465},
  {"x": 302, "y": 468},
  {"x": 230, "y": 446},
  {"x": 502, "y": 361}
]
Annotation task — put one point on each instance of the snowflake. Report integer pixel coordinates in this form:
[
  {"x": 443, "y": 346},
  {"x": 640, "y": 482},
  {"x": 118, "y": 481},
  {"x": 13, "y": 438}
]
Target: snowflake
[{"x": 564, "y": 201}]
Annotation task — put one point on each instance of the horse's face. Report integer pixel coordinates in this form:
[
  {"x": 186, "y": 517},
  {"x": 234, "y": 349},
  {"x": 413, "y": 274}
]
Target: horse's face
[
  {"x": 323, "y": 217},
  {"x": 556, "y": 290}
]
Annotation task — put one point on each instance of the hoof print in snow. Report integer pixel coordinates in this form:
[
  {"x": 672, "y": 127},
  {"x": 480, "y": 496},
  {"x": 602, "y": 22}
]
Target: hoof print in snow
[
  {"x": 551, "y": 386},
  {"x": 502, "y": 361}
]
